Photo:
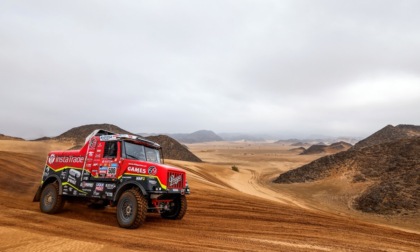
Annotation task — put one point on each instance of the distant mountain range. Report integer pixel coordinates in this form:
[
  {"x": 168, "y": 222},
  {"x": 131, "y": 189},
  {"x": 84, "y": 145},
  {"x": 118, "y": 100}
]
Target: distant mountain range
[
  {"x": 318, "y": 141},
  {"x": 241, "y": 137},
  {"x": 200, "y": 136}
]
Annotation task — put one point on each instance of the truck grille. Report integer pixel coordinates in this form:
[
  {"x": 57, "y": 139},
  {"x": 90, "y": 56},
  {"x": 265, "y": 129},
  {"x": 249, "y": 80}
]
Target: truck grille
[{"x": 175, "y": 179}]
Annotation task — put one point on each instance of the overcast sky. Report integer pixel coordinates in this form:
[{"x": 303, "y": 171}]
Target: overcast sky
[{"x": 295, "y": 68}]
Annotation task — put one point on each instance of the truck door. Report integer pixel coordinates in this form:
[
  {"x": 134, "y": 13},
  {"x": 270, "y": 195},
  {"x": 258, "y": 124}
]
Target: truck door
[
  {"x": 109, "y": 165},
  {"x": 102, "y": 160}
]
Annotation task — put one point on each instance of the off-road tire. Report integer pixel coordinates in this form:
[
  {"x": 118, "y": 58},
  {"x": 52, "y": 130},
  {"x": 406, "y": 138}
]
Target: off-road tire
[
  {"x": 131, "y": 209},
  {"x": 51, "y": 202},
  {"x": 178, "y": 209}
]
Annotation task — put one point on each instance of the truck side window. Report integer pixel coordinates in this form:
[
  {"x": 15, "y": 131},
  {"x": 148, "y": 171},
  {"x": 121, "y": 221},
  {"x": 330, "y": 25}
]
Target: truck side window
[{"x": 110, "y": 150}]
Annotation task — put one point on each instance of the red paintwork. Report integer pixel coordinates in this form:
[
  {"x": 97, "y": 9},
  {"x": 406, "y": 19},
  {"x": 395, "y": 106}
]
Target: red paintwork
[{"x": 90, "y": 159}]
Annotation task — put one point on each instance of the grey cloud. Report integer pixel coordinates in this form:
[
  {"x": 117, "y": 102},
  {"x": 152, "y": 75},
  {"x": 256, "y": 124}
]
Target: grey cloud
[{"x": 229, "y": 66}]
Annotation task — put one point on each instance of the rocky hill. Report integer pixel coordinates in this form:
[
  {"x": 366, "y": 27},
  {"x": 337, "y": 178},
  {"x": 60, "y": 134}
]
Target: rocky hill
[
  {"x": 389, "y": 134},
  {"x": 4, "y": 137},
  {"x": 314, "y": 149},
  {"x": 77, "y": 135},
  {"x": 321, "y": 148},
  {"x": 298, "y": 150},
  {"x": 171, "y": 148},
  {"x": 390, "y": 169},
  {"x": 200, "y": 136}
]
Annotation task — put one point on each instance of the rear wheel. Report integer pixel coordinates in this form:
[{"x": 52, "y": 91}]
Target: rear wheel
[
  {"x": 51, "y": 202},
  {"x": 131, "y": 209},
  {"x": 177, "y": 208}
]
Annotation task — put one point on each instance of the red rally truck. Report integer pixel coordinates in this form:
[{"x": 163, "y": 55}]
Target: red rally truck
[{"x": 120, "y": 170}]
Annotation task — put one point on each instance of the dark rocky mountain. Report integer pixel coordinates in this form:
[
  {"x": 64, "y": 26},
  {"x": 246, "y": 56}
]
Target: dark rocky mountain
[
  {"x": 5, "y": 137},
  {"x": 79, "y": 134},
  {"x": 321, "y": 148},
  {"x": 314, "y": 149},
  {"x": 171, "y": 148},
  {"x": 389, "y": 134},
  {"x": 391, "y": 170},
  {"x": 298, "y": 150},
  {"x": 200, "y": 136}
]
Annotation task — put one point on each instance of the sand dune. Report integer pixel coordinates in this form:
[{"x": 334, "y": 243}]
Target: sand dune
[{"x": 227, "y": 210}]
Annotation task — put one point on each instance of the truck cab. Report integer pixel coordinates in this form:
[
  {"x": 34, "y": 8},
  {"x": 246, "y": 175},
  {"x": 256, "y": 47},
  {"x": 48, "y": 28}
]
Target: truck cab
[{"x": 122, "y": 170}]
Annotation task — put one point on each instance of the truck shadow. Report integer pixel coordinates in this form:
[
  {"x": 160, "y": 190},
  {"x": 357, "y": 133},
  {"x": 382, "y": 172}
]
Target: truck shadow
[{"x": 106, "y": 216}]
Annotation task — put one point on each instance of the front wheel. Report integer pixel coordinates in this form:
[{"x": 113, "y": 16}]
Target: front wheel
[
  {"x": 131, "y": 209},
  {"x": 177, "y": 208},
  {"x": 51, "y": 202}
]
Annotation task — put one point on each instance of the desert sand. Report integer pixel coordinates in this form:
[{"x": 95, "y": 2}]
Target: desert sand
[{"x": 227, "y": 210}]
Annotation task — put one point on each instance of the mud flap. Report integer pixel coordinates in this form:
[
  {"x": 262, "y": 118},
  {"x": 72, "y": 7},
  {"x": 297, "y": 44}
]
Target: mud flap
[{"x": 37, "y": 196}]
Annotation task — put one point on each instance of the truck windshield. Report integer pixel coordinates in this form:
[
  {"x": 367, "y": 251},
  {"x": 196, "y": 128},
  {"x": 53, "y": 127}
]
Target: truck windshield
[{"x": 140, "y": 152}]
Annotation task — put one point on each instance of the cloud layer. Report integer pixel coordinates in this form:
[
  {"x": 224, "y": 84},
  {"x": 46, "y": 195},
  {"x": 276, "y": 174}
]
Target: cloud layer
[{"x": 290, "y": 67}]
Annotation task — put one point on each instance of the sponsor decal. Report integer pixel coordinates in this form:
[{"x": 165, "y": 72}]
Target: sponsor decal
[
  {"x": 75, "y": 173},
  {"x": 114, "y": 165},
  {"x": 71, "y": 180},
  {"x": 51, "y": 158},
  {"x": 110, "y": 186},
  {"x": 109, "y": 194},
  {"x": 74, "y": 192},
  {"x": 173, "y": 180},
  {"x": 87, "y": 190},
  {"x": 111, "y": 172},
  {"x": 103, "y": 170},
  {"x": 152, "y": 182},
  {"x": 108, "y": 137},
  {"x": 88, "y": 165},
  {"x": 140, "y": 178},
  {"x": 69, "y": 159},
  {"x": 87, "y": 184},
  {"x": 95, "y": 194},
  {"x": 99, "y": 187},
  {"x": 91, "y": 153},
  {"x": 63, "y": 174},
  {"x": 136, "y": 170},
  {"x": 175, "y": 190},
  {"x": 98, "y": 156},
  {"x": 152, "y": 170},
  {"x": 92, "y": 142}
]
